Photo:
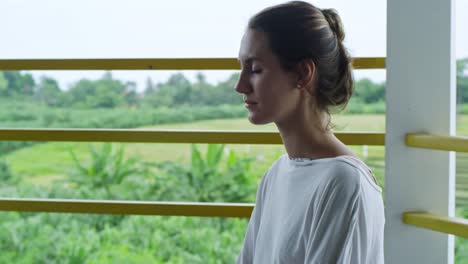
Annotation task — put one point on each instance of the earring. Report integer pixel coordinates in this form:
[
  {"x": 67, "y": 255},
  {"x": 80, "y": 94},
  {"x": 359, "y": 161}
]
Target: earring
[{"x": 299, "y": 86}]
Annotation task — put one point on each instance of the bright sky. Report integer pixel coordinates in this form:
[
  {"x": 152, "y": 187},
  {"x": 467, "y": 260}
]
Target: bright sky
[{"x": 158, "y": 29}]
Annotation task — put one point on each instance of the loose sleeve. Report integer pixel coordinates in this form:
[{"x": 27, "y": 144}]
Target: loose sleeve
[
  {"x": 248, "y": 249},
  {"x": 335, "y": 235}
]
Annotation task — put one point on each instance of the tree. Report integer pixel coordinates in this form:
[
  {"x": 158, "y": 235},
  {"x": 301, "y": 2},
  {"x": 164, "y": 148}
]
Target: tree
[
  {"x": 49, "y": 92},
  {"x": 224, "y": 92},
  {"x": 462, "y": 81},
  {"x": 202, "y": 91},
  {"x": 109, "y": 92},
  {"x": 201, "y": 78},
  {"x": 3, "y": 85},
  {"x": 164, "y": 96},
  {"x": 27, "y": 84},
  {"x": 150, "y": 88},
  {"x": 462, "y": 67},
  {"x": 131, "y": 94},
  {"x": 369, "y": 92},
  {"x": 80, "y": 92},
  {"x": 181, "y": 88},
  {"x": 16, "y": 84},
  {"x": 103, "y": 93}
]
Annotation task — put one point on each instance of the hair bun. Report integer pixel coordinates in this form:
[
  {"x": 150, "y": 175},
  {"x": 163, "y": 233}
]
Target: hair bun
[{"x": 333, "y": 19}]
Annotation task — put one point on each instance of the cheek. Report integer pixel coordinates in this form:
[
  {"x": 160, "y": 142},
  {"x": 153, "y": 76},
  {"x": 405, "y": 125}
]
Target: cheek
[
  {"x": 274, "y": 88},
  {"x": 267, "y": 84}
]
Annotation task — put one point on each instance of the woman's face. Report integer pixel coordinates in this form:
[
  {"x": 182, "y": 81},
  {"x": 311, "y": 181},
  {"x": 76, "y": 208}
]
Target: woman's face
[{"x": 270, "y": 92}]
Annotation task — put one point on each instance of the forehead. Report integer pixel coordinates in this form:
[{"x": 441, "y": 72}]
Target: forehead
[{"x": 254, "y": 45}]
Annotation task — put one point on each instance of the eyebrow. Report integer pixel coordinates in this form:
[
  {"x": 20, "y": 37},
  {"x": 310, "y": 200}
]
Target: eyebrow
[{"x": 250, "y": 59}]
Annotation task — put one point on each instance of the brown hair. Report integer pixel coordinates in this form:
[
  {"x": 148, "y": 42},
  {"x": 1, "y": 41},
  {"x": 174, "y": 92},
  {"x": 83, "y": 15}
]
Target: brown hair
[{"x": 299, "y": 31}]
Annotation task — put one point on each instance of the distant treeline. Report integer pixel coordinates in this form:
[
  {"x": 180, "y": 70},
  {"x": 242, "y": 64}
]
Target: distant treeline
[{"x": 108, "y": 92}]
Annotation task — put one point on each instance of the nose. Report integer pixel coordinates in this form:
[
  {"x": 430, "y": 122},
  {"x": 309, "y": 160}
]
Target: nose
[{"x": 243, "y": 85}]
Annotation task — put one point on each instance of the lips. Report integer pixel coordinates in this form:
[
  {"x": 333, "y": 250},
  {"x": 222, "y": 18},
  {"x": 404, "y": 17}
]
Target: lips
[{"x": 251, "y": 105}]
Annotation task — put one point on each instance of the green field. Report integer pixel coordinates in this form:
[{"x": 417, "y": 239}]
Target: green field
[{"x": 44, "y": 163}]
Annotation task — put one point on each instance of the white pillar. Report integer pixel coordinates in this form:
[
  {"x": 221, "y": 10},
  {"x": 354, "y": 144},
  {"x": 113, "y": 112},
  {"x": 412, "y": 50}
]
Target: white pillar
[{"x": 420, "y": 98}]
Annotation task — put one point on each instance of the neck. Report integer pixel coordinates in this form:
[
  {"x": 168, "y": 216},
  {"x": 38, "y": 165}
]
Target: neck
[{"x": 306, "y": 137}]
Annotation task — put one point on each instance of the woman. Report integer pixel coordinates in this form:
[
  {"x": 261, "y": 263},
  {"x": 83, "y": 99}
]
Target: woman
[{"x": 318, "y": 203}]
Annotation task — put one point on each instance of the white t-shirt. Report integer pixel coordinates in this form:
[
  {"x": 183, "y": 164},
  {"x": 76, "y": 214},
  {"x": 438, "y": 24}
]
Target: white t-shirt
[{"x": 316, "y": 211}]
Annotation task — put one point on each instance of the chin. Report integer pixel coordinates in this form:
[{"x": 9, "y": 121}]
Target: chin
[{"x": 258, "y": 120}]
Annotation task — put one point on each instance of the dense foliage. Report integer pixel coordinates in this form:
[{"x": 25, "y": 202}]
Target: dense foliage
[{"x": 65, "y": 238}]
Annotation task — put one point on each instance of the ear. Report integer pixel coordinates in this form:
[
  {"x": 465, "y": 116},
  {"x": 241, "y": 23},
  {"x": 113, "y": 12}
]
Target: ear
[{"x": 306, "y": 72}]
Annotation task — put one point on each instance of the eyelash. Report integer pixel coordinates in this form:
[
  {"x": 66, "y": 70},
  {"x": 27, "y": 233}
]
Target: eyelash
[{"x": 256, "y": 71}]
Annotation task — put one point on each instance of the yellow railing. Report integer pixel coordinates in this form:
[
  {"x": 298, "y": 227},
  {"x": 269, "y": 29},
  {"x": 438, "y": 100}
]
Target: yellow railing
[
  {"x": 438, "y": 142},
  {"x": 151, "y": 64},
  {"x": 152, "y": 136},
  {"x": 171, "y": 136},
  {"x": 449, "y": 225},
  {"x": 127, "y": 207}
]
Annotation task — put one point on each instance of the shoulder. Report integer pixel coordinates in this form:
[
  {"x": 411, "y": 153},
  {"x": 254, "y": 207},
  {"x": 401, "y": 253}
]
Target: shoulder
[
  {"x": 343, "y": 173},
  {"x": 342, "y": 179},
  {"x": 272, "y": 171},
  {"x": 279, "y": 164}
]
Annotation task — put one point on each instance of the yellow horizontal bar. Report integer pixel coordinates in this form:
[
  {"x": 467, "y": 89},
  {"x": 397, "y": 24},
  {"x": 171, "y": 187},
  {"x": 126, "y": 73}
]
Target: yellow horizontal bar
[
  {"x": 369, "y": 63},
  {"x": 448, "y": 225},
  {"x": 150, "y": 64},
  {"x": 127, "y": 207},
  {"x": 121, "y": 64},
  {"x": 171, "y": 136},
  {"x": 428, "y": 141}
]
